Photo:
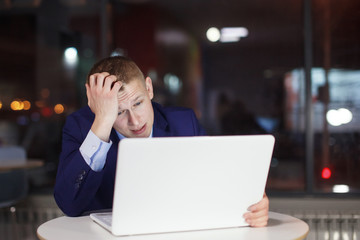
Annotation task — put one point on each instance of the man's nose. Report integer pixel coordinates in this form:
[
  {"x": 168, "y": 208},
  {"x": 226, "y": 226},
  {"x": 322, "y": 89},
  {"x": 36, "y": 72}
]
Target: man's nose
[{"x": 133, "y": 118}]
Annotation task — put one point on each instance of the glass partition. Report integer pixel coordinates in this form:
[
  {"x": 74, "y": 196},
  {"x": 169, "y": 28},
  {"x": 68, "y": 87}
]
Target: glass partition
[
  {"x": 238, "y": 64},
  {"x": 335, "y": 85}
]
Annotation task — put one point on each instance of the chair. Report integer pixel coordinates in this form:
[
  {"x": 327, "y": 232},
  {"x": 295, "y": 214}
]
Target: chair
[{"x": 13, "y": 183}]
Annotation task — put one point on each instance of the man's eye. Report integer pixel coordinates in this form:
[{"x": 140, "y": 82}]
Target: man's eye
[
  {"x": 121, "y": 112},
  {"x": 137, "y": 104}
]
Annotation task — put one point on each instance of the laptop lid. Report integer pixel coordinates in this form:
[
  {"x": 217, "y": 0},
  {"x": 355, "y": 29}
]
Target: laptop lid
[{"x": 188, "y": 183}]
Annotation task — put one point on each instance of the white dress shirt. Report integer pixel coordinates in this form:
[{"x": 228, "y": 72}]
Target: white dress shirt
[{"x": 94, "y": 150}]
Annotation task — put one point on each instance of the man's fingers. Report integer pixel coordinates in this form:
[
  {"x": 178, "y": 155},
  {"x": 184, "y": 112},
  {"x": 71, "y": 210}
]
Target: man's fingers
[
  {"x": 100, "y": 78},
  {"x": 102, "y": 81},
  {"x": 256, "y": 214},
  {"x": 116, "y": 86},
  {"x": 257, "y": 219},
  {"x": 97, "y": 79},
  {"x": 109, "y": 82},
  {"x": 92, "y": 80},
  {"x": 259, "y": 213},
  {"x": 259, "y": 222},
  {"x": 263, "y": 204},
  {"x": 88, "y": 93}
]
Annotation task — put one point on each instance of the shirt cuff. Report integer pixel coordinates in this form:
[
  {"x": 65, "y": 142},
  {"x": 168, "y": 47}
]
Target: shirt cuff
[{"x": 94, "y": 151}]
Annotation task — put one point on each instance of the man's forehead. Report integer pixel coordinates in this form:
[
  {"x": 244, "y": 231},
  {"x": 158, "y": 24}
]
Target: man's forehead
[{"x": 130, "y": 93}]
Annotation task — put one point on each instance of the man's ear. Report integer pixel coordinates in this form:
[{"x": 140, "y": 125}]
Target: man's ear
[{"x": 149, "y": 87}]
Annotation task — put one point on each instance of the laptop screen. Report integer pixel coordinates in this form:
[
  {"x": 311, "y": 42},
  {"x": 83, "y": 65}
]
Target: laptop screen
[{"x": 188, "y": 183}]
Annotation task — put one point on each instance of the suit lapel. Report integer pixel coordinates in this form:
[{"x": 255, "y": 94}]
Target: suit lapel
[
  {"x": 160, "y": 128},
  {"x": 158, "y": 132},
  {"x": 114, "y": 137},
  {"x": 112, "y": 154}
]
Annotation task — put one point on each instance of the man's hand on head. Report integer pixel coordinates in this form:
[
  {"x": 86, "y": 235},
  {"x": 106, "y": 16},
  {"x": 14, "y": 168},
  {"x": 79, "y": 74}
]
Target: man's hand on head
[{"x": 102, "y": 91}]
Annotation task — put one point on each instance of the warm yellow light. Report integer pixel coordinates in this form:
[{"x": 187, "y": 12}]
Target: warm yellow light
[
  {"x": 27, "y": 105},
  {"x": 21, "y": 105},
  {"x": 59, "y": 109},
  {"x": 1, "y": 104},
  {"x": 16, "y": 105}
]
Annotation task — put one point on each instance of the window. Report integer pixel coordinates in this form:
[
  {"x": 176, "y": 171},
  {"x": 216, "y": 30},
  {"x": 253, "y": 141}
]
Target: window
[{"x": 252, "y": 81}]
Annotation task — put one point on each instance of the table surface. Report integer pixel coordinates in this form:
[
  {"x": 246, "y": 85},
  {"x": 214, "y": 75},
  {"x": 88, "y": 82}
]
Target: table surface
[
  {"x": 13, "y": 165},
  {"x": 280, "y": 226}
]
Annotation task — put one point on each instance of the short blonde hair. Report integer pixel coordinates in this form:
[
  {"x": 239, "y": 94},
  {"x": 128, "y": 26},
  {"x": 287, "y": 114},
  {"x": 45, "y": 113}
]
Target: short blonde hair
[{"x": 123, "y": 68}]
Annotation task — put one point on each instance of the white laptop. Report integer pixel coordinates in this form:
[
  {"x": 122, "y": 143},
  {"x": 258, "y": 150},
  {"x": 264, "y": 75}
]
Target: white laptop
[{"x": 186, "y": 183}]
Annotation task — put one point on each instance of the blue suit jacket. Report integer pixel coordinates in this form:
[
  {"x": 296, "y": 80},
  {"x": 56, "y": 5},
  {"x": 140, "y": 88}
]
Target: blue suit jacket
[{"x": 78, "y": 188}]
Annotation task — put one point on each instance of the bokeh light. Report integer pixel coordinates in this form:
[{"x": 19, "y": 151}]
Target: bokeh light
[
  {"x": 326, "y": 173},
  {"x": 46, "y": 112},
  {"x": 339, "y": 116},
  {"x": 45, "y": 93},
  {"x": 59, "y": 109},
  {"x": 40, "y": 104},
  {"x": 16, "y": 105},
  {"x": 213, "y": 34},
  {"x": 341, "y": 188},
  {"x": 27, "y": 105},
  {"x": 71, "y": 56},
  {"x": 173, "y": 83}
]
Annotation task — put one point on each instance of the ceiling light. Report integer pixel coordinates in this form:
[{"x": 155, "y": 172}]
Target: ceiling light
[
  {"x": 71, "y": 55},
  {"x": 341, "y": 188},
  {"x": 233, "y": 34},
  {"x": 213, "y": 34},
  {"x": 339, "y": 116}
]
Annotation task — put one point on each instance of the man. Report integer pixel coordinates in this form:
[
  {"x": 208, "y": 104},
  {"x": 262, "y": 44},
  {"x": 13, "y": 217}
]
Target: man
[{"x": 119, "y": 106}]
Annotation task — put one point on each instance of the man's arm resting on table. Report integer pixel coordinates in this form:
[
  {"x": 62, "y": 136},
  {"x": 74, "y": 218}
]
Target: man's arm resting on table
[{"x": 76, "y": 183}]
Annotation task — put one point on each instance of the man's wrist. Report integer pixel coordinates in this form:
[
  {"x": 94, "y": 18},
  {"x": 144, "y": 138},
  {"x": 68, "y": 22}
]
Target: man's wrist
[{"x": 102, "y": 129}]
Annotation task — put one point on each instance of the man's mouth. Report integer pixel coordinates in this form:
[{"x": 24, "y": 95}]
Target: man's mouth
[{"x": 139, "y": 131}]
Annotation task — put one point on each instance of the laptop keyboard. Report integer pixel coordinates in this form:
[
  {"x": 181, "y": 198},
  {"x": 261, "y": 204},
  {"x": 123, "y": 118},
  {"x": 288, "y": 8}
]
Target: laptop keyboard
[{"x": 106, "y": 218}]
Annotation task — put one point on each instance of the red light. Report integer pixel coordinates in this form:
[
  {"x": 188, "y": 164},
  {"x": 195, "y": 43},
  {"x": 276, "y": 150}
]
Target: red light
[
  {"x": 46, "y": 111},
  {"x": 326, "y": 173}
]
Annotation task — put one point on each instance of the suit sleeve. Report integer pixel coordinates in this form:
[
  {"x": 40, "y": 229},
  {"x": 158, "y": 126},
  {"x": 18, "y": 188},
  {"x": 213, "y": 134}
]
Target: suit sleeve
[
  {"x": 183, "y": 122},
  {"x": 76, "y": 184},
  {"x": 198, "y": 129}
]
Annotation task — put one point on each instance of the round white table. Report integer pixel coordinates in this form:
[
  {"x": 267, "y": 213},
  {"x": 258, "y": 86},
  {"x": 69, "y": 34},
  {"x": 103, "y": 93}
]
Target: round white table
[{"x": 280, "y": 226}]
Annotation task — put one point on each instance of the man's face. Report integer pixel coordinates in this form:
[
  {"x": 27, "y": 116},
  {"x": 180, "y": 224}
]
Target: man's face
[{"x": 136, "y": 115}]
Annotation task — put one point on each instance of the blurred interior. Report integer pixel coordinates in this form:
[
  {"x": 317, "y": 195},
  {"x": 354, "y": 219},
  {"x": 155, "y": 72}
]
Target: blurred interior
[{"x": 292, "y": 70}]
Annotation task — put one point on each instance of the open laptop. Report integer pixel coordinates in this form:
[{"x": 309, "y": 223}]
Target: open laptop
[{"x": 186, "y": 183}]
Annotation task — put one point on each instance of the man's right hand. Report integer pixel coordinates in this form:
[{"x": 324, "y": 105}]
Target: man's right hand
[{"x": 102, "y": 91}]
